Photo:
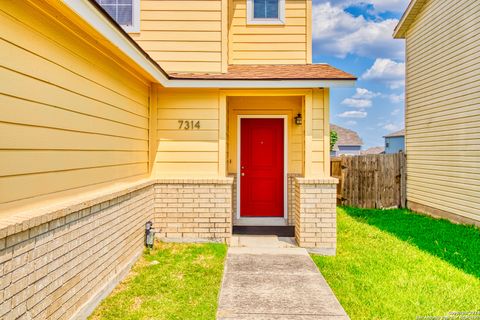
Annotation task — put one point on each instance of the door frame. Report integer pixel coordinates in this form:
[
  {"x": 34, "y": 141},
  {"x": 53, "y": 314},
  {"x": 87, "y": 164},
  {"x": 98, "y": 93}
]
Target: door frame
[{"x": 285, "y": 158}]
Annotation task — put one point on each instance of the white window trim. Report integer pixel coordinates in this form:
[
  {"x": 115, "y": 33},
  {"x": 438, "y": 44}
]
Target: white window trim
[
  {"x": 135, "y": 27},
  {"x": 279, "y": 20}
]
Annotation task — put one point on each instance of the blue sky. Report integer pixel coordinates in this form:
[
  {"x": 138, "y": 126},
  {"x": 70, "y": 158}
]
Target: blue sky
[{"x": 356, "y": 36}]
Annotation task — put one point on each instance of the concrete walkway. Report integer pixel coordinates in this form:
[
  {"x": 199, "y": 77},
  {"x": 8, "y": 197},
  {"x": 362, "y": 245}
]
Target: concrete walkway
[{"x": 270, "y": 278}]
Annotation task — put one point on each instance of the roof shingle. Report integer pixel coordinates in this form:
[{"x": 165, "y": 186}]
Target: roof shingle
[
  {"x": 346, "y": 137},
  {"x": 373, "y": 150},
  {"x": 400, "y": 133},
  {"x": 272, "y": 72}
]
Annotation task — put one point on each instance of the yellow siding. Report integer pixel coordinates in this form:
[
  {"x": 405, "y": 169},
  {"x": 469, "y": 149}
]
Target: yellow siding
[
  {"x": 442, "y": 113},
  {"x": 271, "y": 44},
  {"x": 200, "y": 152},
  {"x": 70, "y": 115},
  {"x": 183, "y": 36},
  {"x": 187, "y": 153},
  {"x": 287, "y": 106}
]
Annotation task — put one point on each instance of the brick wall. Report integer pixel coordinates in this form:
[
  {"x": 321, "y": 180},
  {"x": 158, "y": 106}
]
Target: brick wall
[
  {"x": 50, "y": 270},
  {"x": 315, "y": 214},
  {"x": 59, "y": 264},
  {"x": 291, "y": 197},
  {"x": 194, "y": 209}
]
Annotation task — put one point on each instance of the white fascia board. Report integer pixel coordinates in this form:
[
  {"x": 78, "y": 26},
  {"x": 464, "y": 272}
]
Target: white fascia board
[
  {"x": 90, "y": 14},
  {"x": 265, "y": 84}
]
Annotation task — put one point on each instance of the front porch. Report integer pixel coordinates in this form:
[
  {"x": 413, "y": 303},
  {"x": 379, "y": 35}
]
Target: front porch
[
  {"x": 307, "y": 205},
  {"x": 293, "y": 189}
]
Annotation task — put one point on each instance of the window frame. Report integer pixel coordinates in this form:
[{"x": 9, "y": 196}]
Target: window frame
[
  {"x": 135, "y": 27},
  {"x": 252, "y": 20}
]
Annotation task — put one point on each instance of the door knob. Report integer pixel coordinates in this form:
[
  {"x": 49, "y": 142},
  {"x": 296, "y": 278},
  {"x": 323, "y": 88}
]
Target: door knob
[
  {"x": 243, "y": 174},
  {"x": 243, "y": 167}
]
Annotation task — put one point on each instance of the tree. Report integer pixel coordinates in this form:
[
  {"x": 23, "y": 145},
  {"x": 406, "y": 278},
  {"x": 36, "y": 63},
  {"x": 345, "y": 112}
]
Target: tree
[{"x": 333, "y": 139}]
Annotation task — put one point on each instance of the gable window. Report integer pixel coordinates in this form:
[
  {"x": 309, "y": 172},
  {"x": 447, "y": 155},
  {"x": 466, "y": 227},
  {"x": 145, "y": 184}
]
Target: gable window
[
  {"x": 265, "y": 11},
  {"x": 125, "y": 12}
]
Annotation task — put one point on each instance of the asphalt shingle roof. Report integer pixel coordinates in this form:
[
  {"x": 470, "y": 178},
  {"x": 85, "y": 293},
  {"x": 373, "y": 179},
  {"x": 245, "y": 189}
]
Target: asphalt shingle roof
[
  {"x": 272, "y": 72},
  {"x": 400, "y": 133},
  {"x": 346, "y": 137}
]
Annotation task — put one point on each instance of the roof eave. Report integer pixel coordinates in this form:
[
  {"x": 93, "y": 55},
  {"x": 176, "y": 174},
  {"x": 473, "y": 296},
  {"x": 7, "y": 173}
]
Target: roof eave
[
  {"x": 399, "y": 136},
  {"x": 350, "y": 145},
  {"x": 98, "y": 19},
  {"x": 267, "y": 84},
  {"x": 89, "y": 11},
  {"x": 407, "y": 18}
]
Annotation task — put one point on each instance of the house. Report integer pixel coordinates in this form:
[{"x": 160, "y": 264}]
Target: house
[
  {"x": 195, "y": 115},
  {"x": 395, "y": 142},
  {"x": 374, "y": 150},
  {"x": 348, "y": 143},
  {"x": 442, "y": 119}
]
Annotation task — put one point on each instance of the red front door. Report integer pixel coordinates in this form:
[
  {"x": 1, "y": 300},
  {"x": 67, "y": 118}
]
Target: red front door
[{"x": 261, "y": 168}]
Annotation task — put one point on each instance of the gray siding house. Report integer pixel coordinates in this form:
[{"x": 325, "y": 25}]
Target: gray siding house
[
  {"x": 395, "y": 142},
  {"x": 348, "y": 143}
]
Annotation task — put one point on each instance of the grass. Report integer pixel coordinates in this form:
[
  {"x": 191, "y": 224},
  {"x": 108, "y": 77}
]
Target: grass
[
  {"x": 395, "y": 264},
  {"x": 172, "y": 281}
]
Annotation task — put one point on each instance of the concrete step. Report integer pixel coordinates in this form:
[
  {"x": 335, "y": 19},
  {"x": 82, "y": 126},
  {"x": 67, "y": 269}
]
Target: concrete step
[{"x": 257, "y": 241}]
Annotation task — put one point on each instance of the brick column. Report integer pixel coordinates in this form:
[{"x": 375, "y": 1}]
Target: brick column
[{"x": 315, "y": 214}]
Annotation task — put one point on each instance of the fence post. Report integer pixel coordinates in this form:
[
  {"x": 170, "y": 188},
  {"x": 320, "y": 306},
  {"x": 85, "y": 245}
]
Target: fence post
[{"x": 403, "y": 180}]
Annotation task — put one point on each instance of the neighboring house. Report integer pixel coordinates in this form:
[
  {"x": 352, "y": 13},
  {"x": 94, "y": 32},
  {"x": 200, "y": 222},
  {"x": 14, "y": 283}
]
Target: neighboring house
[
  {"x": 395, "y": 142},
  {"x": 348, "y": 143},
  {"x": 197, "y": 115},
  {"x": 442, "y": 116},
  {"x": 374, "y": 150}
]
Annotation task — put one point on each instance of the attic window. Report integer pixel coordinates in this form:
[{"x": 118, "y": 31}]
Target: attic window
[
  {"x": 265, "y": 11},
  {"x": 125, "y": 12}
]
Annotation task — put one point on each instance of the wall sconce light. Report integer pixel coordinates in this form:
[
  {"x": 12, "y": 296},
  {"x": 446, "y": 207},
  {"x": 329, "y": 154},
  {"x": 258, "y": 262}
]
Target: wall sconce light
[{"x": 298, "y": 119}]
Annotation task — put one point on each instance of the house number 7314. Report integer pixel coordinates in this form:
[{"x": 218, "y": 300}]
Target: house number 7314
[{"x": 188, "y": 124}]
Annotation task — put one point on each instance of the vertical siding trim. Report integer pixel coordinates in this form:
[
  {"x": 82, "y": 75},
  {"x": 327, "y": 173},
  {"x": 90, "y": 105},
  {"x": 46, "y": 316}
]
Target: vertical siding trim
[
  {"x": 222, "y": 135},
  {"x": 152, "y": 127},
  {"x": 230, "y": 32},
  {"x": 309, "y": 31},
  {"x": 225, "y": 31},
  {"x": 326, "y": 131},
  {"x": 308, "y": 133}
]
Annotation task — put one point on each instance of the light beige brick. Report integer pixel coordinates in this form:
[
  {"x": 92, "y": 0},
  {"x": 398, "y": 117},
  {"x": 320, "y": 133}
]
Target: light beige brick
[{"x": 315, "y": 215}]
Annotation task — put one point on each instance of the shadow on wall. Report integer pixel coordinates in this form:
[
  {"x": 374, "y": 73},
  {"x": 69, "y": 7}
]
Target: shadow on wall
[{"x": 456, "y": 244}]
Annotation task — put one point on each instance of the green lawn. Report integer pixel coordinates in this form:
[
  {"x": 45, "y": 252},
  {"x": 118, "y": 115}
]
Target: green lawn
[
  {"x": 173, "y": 281},
  {"x": 394, "y": 264}
]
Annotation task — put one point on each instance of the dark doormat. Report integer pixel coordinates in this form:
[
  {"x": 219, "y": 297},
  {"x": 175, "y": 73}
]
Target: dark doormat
[{"x": 281, "y": 231}]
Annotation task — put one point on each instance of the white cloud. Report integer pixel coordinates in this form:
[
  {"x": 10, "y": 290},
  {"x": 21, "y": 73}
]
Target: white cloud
[
  {"x": 396, "y": 98},
  {"x": 396, "y": 112},
  {"x": 392, "y": 127},
  {"x": 380, "y": 6},
  {"x": 357, "y": 103},
  {"x": 362, "y": 93},
  {"x": 337, "y": 32},
  {"x": 351, "y": 122},
  {"x": 386, "y": 70},
  {"x": 389, "y": 5},
  {"x": 353, "y": 114},
  {"x": 361, "y": 99}
]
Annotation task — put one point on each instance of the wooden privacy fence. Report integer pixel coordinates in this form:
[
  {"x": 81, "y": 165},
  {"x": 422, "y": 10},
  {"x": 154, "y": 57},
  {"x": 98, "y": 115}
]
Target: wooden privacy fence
[{"x": 370, "y": 181}]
